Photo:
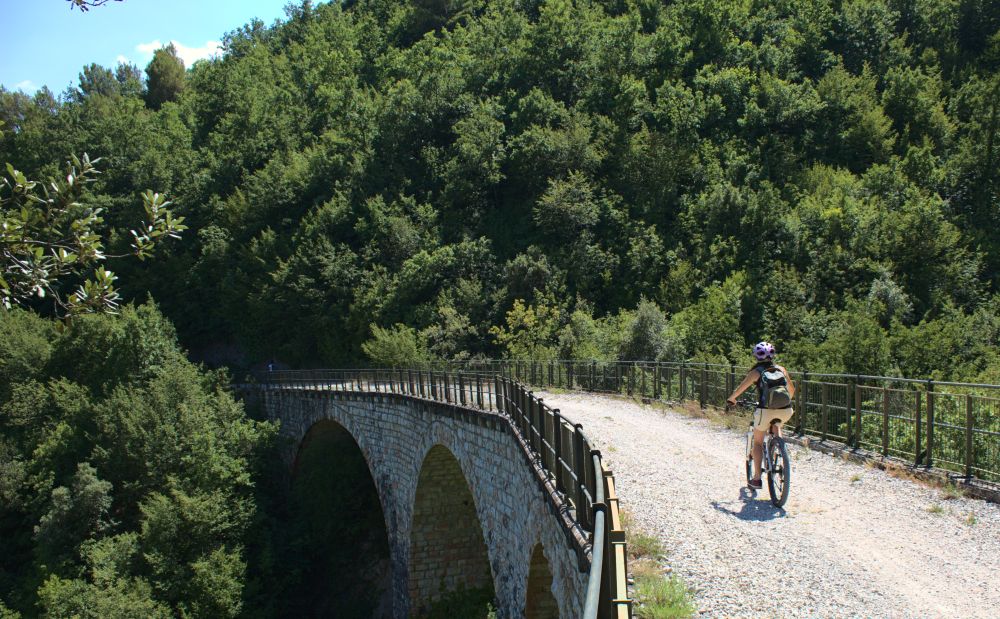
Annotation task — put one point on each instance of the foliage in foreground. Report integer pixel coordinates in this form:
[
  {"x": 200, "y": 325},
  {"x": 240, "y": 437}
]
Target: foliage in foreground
[
  {"x": 125, "y": 487},
  {"x": 661, "y": 597}
]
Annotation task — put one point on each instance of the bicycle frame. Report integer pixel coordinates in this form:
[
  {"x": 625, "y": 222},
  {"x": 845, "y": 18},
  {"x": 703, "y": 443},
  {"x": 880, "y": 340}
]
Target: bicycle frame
[{"x": 765, "y": 460}]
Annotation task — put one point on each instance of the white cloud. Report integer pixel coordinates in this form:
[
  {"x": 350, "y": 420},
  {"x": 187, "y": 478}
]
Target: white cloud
[
  {"x": 26, "y": 86},
  {"x": 122, "y": 59},
  {"x": 147, "y": 49},
  {"x": 189, "y": 55}
]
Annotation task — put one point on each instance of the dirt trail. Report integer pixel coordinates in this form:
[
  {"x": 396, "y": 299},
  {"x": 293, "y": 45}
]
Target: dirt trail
[{"x": 851, "y": 542}]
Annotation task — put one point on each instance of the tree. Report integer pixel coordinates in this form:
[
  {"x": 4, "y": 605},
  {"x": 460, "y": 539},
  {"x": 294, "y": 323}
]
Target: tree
[
  {"x": 86, "y": 5},
  {"x": 48, "y": 238},
  {"x": 399, "y": 347},
  {"x": 166, "y": 78}
]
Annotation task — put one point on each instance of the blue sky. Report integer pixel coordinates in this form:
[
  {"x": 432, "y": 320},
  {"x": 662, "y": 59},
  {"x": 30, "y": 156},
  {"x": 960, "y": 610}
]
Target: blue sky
[{"x": 44, "y": 42}]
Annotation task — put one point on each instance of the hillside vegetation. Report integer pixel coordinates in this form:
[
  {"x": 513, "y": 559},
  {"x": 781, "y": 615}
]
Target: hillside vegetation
[
  {"x": 397, "y": 182},
  {"x": 518, "y": 177}
]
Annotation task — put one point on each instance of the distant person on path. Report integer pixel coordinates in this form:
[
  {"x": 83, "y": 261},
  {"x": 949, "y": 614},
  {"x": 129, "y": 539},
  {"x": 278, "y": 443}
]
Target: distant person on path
[
  {"x": 270, "y": 365},
  {"x": 775, "y": 391}
]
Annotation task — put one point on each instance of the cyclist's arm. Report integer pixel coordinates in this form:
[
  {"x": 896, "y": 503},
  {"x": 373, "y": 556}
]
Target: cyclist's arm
[
  {"x": 789, "y": 381},
  {"x": 752, "y": 377}
]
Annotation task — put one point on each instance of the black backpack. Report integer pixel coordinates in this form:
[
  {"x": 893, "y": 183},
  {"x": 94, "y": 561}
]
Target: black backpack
[{"x": 773, "y": 388}]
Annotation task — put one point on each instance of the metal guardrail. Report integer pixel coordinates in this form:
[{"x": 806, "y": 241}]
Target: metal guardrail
[
  {"x": 562, "y": 454},
  {"x": 950, "y": 425}
]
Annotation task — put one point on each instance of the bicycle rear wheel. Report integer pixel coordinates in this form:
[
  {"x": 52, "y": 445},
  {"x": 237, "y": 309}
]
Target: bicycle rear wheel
[{"x": 779, "y": 475}]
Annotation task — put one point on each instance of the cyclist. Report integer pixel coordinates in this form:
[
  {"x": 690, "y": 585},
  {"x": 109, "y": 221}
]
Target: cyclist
[{"x": 763, "y": 352}]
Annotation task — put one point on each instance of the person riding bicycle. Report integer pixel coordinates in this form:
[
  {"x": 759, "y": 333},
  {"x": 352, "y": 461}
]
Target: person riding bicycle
[{"x": 774, "y": 401}]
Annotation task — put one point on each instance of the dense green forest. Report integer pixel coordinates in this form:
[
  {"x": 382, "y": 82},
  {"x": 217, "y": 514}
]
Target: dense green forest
[
  {"x": 519, "y": 177},
  {"x": 382, "y": 181}
]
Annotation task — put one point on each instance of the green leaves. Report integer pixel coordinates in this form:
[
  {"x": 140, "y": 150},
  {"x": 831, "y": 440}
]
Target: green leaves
[
  {"x": 159, "y": 223},
  {"x": 125, "y": 486},
  {"x": 48, "y": 238},
  {"x": 399, "y": 347}
]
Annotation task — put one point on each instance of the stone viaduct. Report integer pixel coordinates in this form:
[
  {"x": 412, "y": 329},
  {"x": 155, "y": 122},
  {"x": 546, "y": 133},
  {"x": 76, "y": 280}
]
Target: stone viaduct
[{"x": 464, "y": 507}]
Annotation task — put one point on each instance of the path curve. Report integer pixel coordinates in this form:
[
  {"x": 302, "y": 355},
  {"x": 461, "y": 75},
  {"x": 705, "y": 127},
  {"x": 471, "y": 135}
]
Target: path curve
[{"x": 852, "y": 541}]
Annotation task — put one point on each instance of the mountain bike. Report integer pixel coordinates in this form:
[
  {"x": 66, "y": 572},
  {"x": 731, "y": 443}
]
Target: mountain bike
[{"x": 774, "y": 460}]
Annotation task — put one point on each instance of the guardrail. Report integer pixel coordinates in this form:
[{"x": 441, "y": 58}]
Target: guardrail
[
  {"x": 571, "y": 469},
  {"x": 950, "y": 425}
]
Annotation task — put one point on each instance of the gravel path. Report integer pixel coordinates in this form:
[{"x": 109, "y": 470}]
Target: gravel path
[{"x": 851, "y": 542}]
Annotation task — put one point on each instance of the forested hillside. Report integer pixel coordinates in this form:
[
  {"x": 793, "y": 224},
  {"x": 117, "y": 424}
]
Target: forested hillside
[{"x": 382, "y": 180}]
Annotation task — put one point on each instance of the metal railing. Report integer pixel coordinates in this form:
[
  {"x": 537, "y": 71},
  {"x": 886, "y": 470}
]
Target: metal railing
[
  {"x": 561, "y": 454},
  {"x": 949, "y": 425}
]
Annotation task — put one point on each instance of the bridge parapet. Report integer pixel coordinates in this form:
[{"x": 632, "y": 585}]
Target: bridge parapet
[{"x": 414, "y": 426}]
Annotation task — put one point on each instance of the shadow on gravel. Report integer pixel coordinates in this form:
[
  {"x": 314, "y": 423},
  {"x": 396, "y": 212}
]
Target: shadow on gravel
[{"x": 753, "y": 509}]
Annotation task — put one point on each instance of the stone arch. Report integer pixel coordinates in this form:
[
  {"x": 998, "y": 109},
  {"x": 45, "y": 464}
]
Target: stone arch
[
  {"x": 338, "y": 525},
  {"x": 448, "y": 553},
  {"x": 539, "y": 602}
]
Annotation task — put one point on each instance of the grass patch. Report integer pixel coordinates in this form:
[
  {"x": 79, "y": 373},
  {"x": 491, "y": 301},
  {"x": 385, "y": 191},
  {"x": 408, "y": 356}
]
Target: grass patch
[
  {"x": 971, "y": 519},
  {"x": 643, "y": 568},
  {"x": 471, "y": 603},
  {"x": 950, "y": 492},
  {"x": 935, "y": 509},
  {"x": 855, "y": 478},
  {"x": 641, "y": 545},
  {"x": 662, "y": 597}
]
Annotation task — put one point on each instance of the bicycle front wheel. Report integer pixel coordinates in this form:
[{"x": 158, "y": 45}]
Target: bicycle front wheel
[{"x": 779, "y": 474}]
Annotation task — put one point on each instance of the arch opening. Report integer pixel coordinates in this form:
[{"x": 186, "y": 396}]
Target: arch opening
[
  {"x": 449, "y": 569},
  {"x": 540, "y": 603},
  {"x": 336, "y": 542}
]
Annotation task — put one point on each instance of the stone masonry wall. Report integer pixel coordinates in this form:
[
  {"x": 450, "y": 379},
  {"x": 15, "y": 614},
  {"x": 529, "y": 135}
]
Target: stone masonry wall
[
  {"x": 396, "y": 434},
  {"x": 447, "y": 550}
]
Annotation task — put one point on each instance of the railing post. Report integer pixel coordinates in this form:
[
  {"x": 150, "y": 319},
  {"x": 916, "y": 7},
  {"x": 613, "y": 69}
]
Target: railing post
[
  {"x": 703, "y": 391},
  {"x": 858, "y": 402},
  {"x": 917, "y": 456},
  {"x": 824, "y": 395},
  {"x": 593, "y": 477},
  {"x": 642, "y": 389},
  {"x": 968, "y": 435},
  {"x": 461, "y": 388},
  {"x": 551, "y": 373},
  {"x": 803, "y": 402},
  {"x": 557, "y": 445},
  {"x": 579, "y": 470},
  {"x": 683, "y": 382},
  {"x": 929, "y": 460},
  {"x": 569, "y": 375},
  {"x": 656, "y": 381},
  {"x": 885, "y": 421},
  {"x": 540, "y": 408},
  {"x": 849, "y": 404},
  {"x": 532, "y": 415},
  {"x": 593, "y": 370}
]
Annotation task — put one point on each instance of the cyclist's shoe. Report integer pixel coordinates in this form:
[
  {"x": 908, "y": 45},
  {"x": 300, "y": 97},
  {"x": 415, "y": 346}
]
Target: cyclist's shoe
[{"x": 755, "y": 484}]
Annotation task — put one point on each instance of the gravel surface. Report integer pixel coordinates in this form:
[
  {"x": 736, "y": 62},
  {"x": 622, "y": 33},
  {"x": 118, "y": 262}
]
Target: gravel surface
[{"x": 852, "y": 541}]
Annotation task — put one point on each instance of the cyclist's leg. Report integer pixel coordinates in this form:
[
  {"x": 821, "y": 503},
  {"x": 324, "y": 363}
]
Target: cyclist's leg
[{"x": 758, "y": 452}]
